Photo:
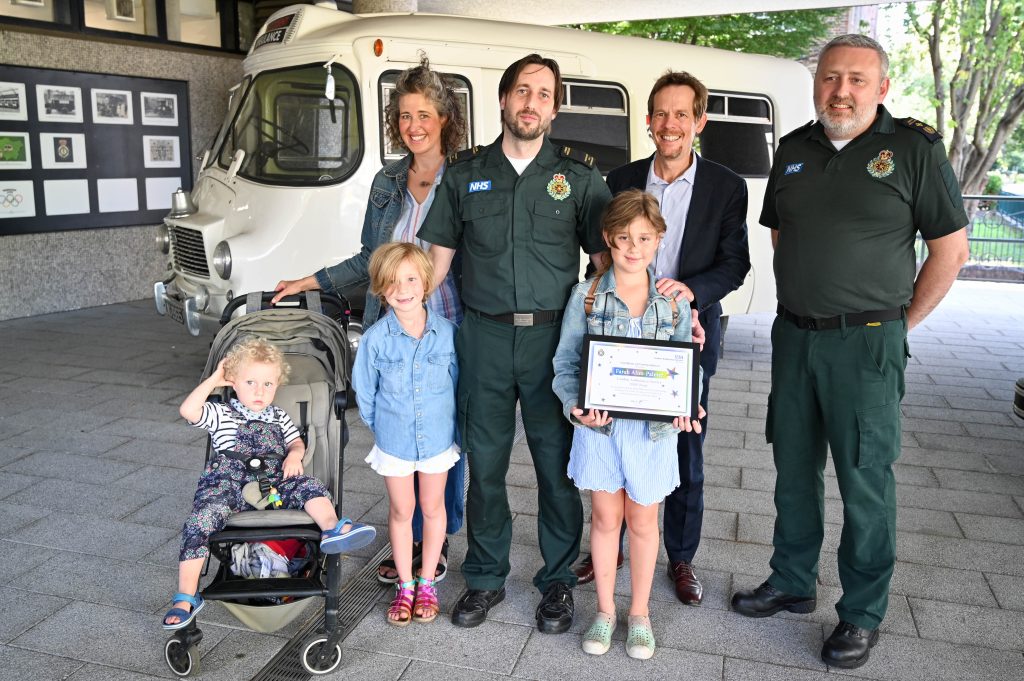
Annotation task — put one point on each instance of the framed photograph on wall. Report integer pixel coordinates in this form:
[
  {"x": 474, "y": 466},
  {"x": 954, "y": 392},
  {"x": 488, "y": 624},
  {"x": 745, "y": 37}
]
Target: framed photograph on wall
[
  {"x": 59, "y": 151},
  {"x": 121, "y": 10},
  {"x": 15, "y": 153},
  {"x": 112, "y": 107},
  {"x": 159, "y": 108},
  {"x": 17, "y": 199},
  {"x": 160, "y": 152},
  {"x": 13, "y": 106},
  {"x": 59, "y": 103}
]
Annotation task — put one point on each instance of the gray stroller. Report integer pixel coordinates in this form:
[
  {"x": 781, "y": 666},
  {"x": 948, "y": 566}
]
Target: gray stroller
[{"x": 314, "y": 343}]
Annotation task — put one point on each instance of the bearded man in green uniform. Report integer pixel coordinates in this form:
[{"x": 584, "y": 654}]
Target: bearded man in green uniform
[
  {"x": 845, "y": 199},
  {"x": 518, "y": 210}
]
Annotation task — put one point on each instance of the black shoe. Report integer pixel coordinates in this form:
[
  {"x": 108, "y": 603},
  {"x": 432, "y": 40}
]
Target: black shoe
[
  {"x": 849, "y": 646},
  {"x": 555, "y": 612},
  {"x": 473, "y": 605},
  {"x": 766, "y": 600}
]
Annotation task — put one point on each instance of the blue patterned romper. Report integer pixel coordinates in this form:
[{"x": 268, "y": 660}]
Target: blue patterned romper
[{"x": 219, "y": 494}]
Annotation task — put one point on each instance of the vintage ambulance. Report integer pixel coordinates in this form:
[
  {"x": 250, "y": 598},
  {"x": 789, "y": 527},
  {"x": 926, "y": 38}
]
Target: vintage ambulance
[{"x": 282, "y": 190}]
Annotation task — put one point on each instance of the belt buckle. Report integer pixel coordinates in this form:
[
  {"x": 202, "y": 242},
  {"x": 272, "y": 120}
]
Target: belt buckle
[
  {"x": 522, "y": 319},
  {"x": 812, "y": 324}
]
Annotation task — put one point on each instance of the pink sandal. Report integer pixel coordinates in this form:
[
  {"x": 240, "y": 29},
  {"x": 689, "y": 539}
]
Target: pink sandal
[
  {"x": 426, "y": 606},
  {"x": 400, "y": 611}
]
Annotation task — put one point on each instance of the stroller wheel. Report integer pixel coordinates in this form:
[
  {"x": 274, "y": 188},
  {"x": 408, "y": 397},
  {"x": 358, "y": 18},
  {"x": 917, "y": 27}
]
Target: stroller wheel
[
  {"x": 182, "y": 660},
  {"x": 312, "y": 661}
]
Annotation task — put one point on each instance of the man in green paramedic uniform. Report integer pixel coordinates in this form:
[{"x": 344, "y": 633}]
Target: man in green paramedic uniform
[
  {"x": 518, "y": 210},
  {"x": 845, "y": 198}
]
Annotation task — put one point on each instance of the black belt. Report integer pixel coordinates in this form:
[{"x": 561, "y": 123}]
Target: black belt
[
  {"x": 524, "y": 318},
  {"x": 851, "y": 319}
]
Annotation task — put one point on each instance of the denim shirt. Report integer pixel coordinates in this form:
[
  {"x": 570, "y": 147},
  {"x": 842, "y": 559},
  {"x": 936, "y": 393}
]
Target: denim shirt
[
  {"x": 610, "y": 317},
  {"x": 405, "y": 387},
  {"x": 383, "y": 210}
]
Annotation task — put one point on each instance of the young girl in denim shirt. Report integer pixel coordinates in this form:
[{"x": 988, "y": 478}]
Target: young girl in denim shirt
[
  {"x": 628, "y": 465},
  {"x": 405, "y": 375}
]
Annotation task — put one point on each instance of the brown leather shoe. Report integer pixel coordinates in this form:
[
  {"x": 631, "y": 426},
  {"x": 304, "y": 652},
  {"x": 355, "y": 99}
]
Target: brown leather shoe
[
  {"x": 688, "y": 587},
  {"x": 585, "y": 570}
]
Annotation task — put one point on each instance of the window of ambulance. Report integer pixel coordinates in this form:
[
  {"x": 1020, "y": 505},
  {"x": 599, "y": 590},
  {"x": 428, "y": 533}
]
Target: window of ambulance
[
  {"x": 739, "y": 133},
  {"x": 234, "y": 99},
  {"x": 594, "y": 117},
  {"x": 386, "y": 85},
  {"x": 291, "y": 134}
]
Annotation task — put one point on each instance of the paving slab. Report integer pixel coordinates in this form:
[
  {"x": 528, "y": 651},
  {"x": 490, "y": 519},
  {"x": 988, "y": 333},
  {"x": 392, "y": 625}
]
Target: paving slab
[
  {"x": 80, "y": 498},
  {"x": 95, "y": 672},
  {"x": 24, "y": 609},
  {"x": 974, "y": 625},
  {"x": 17, "y": 664},
  {"x": 16, "y": 515},
  {"x": 747, "y": 670},
  {"x": 93, "y": 535},
  {"x": 100, "y": 580},
  {"x": 127, "y": 640},
  {"x": 1009, "y": 591},
  {"x": 1006, "y": 530},
  {"x": 418, "y": 670}
]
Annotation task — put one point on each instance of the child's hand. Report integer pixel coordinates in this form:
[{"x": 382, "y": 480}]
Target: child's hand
[
  {"x": 293, "y": 465},
  {"x": 685, "y": 424},
  {"x": 592, "y": 418},
  {"x": 220, "y": 380}
]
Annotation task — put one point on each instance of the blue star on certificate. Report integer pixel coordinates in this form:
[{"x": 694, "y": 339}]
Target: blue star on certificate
[
  {"x": 675, "y": 393},
  {"x": 672, "y": 373}
]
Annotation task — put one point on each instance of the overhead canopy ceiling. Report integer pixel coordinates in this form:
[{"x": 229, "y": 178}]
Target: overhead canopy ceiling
[{"x": 553, "y": 12}]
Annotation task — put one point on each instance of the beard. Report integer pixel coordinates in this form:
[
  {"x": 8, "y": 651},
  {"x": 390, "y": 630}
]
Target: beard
[
  {"x": 844, "y": 127},
  {"x": 519, "y": 130}
]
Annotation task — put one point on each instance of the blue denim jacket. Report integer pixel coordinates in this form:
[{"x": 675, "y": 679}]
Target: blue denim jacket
[
  {"x": 405, "y": 387},
  {"x": 610, "y": 317},
  {"x": 383, "y": 209}
]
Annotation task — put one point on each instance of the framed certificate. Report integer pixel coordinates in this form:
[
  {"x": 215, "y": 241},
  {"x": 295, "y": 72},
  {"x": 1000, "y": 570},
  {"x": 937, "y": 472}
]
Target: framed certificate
[{"x": 636, "y": 378}]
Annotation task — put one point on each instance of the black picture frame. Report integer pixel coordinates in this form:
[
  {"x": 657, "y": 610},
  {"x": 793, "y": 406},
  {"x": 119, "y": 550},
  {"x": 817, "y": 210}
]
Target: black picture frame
[{"x": 586, "y": 371}]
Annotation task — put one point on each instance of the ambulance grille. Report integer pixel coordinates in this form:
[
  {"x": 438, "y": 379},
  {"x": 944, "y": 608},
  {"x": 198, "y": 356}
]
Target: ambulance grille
[{"x": 189, "y": 252}]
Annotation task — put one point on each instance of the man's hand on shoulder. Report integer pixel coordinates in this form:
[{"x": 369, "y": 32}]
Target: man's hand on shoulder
[{"x": 674, "y": 289}]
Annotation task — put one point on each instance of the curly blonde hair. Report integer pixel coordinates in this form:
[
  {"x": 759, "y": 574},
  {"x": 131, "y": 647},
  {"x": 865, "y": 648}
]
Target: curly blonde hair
[{"x": 254, "y": 349}]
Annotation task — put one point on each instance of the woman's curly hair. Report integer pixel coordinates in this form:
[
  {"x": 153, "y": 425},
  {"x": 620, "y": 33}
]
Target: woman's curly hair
[{"x": 440, "y": 91}]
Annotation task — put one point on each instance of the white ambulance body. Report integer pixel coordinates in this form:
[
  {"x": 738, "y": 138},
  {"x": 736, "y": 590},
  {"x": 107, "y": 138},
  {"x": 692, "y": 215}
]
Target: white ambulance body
[{"x": 283, "y": 189}]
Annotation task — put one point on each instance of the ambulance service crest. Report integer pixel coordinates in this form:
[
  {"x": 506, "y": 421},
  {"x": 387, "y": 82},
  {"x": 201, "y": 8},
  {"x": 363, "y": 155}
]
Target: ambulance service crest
[
  {"x": 882, "y": 165},
  {"x": 558, "y": 187}
]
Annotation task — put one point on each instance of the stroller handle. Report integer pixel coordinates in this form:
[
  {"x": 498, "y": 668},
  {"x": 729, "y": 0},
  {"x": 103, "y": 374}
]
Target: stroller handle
[{"x": 331, "y": 305}]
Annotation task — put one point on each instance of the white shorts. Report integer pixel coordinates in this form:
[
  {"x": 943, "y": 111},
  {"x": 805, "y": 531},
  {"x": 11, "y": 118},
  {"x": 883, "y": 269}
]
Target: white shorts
[{"x": 394, "y": 467}]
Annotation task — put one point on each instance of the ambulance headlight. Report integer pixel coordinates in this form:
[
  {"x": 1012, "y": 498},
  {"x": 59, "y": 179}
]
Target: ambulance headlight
[
  {"x": 163, "y": 239},
  {"x": 222, "y": 260}
]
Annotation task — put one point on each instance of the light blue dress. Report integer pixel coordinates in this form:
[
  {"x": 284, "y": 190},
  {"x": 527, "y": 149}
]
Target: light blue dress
[{"x": 627, "y": 459}]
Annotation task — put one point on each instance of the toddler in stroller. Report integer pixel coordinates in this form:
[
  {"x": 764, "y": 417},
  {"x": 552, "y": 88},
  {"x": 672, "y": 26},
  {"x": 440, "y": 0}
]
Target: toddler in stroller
[{"x": 256, "y": 442}]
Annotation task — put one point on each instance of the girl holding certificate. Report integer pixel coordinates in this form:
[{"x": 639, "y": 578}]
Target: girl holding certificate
[{"x": 629, "y": 465}]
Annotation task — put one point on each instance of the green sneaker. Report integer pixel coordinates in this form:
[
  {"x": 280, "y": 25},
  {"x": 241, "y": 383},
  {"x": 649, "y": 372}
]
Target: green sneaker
[
  {"x": 640, "y": 642},
  {"x": 598, "y": 638}
]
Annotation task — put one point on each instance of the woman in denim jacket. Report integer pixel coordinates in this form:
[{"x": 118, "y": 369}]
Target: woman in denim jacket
[
  {"x": 424, "y": 117},
  {"x": 628, "y": 465}
]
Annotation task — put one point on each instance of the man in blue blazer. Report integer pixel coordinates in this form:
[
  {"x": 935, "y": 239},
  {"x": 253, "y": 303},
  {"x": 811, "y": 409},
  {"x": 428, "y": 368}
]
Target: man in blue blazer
[{"x": 703, "y": 257}]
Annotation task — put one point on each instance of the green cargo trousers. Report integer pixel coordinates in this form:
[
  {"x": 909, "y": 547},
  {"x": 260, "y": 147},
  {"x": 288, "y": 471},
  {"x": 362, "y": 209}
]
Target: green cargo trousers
[
  {"x": 838, "y": 389},
  {"x": 498, "y": 364}
]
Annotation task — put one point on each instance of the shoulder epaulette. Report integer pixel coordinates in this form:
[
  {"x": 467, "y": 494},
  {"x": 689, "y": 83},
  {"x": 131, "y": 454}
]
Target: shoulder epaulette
[
  {"x": 802, "y": 128},
  {"x": 928, "y": 131},
  {"x": 465, "y": 154},
  {"x": 578, "y": 156}
]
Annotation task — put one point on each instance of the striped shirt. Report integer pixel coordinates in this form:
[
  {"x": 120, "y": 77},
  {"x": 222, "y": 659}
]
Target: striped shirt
[
  {"x": 222, "y": 422},
  {"x": 444, "y": 301}
]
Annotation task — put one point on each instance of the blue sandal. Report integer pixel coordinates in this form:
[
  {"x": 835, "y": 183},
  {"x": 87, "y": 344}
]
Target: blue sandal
[
  {"x": 186, "y": 617},
  {"x": 357, "y": 536}
]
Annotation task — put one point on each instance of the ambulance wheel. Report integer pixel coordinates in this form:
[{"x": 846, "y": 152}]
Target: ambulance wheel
[
  {"x": 311, "y": 657},
  {"x": 183, "y": 661}
]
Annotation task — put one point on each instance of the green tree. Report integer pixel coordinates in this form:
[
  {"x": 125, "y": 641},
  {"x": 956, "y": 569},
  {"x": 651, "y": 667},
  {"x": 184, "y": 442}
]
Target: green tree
[
  {"x": 789, "y": 34},
  {"x": 977, "y": 83}
]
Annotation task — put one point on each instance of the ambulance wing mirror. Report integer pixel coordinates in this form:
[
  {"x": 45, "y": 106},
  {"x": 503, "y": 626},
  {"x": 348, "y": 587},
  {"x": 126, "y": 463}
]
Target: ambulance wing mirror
[
  {"x": 329, "y": 87},
  {"x": 236, "y": 162}
]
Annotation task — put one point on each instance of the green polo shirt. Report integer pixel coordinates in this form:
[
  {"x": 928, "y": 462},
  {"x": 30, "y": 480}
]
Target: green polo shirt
[
  {"x": 847, "y": 219},
  {"x": 519, "y": 235}
]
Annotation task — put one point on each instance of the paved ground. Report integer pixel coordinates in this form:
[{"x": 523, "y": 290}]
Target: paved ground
[{"x": 97, "y": 472}]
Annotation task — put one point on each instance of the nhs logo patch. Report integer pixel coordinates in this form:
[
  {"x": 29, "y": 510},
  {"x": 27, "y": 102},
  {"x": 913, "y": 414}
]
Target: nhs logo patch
[
  {"x": 793, "y": 168},
  {"x": 479, "y": 186}
]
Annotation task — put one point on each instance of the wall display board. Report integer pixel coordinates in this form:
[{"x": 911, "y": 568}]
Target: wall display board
[{"x": 86, "y": 150}]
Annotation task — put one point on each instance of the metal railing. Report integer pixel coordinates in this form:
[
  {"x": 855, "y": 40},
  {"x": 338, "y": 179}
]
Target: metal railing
[{"x": 996, "y": 238}]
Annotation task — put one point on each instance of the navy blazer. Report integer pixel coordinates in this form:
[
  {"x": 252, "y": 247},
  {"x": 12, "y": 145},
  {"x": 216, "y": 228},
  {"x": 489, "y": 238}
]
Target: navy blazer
[{"x": 714, "y": 257}]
